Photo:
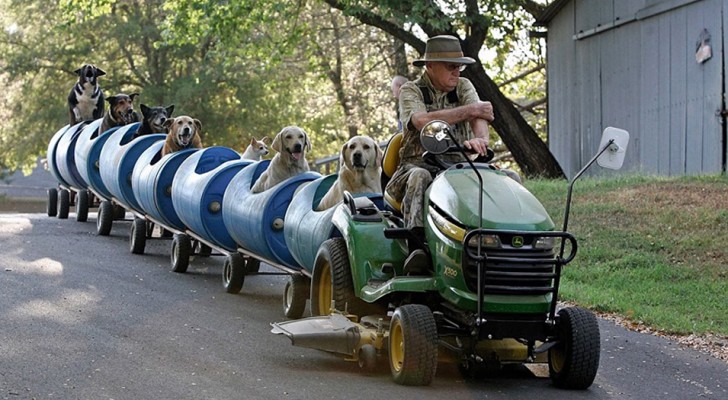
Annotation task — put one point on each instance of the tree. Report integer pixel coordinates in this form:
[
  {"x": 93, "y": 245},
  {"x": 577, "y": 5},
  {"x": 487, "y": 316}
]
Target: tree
[{"x": 460, "y": 18}]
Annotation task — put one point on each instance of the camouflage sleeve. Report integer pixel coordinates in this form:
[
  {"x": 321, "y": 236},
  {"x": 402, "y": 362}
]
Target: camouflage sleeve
[
  {"x": 467, "y": 92},
  {"x": 410, "y": 102}
]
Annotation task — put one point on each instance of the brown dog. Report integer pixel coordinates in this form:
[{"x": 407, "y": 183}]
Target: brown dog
[
  {"x": 360, "y": 164},
  {"x": 183, "y": 132},
  {"x": 121, "y": 111},
  {"x": 291, "y": 144}
]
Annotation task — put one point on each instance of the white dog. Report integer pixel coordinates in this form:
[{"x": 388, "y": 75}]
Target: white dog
[
  {"x": 256, "y": 149},
  {"x": 360, "y": 165},
  {"x": 291, "y": 144}
]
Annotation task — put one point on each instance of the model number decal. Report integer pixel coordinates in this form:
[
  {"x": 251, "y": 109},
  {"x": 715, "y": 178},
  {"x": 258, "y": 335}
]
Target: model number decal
[{"x": 451, "y": 272}]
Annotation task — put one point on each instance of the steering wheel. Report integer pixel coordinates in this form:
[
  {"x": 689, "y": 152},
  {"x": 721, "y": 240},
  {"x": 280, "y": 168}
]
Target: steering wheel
[{"x": 434, "y": 160}]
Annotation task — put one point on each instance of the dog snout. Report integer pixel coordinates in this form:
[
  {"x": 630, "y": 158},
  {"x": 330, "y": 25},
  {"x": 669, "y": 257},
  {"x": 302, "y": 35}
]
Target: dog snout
[
  {"x": 297, "y": 148},
  {"x": 358, "y": 159}
]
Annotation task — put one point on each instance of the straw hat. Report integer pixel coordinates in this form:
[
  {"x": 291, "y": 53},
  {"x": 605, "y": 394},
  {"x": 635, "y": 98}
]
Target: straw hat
[{"x": 443, "y": 48}]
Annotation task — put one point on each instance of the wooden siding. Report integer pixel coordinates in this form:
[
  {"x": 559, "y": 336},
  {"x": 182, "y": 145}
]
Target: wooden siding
[{"x": 631, "y": 64}]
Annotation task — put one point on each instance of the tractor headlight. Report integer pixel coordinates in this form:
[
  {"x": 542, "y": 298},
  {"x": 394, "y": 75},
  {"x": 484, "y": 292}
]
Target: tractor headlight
[
  {"x": 487, "y": 241},
  {"x": 447, "y": 227},
  {"x": 544, "y": 243}
]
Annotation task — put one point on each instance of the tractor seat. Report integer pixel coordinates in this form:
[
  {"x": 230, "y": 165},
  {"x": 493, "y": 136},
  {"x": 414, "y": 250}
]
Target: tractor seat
[{"x": 390, "y": 163}]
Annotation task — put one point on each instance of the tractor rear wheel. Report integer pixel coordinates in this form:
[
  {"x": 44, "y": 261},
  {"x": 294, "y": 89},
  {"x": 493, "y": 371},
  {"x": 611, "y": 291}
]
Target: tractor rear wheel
[{"x": 332, "y": 281}]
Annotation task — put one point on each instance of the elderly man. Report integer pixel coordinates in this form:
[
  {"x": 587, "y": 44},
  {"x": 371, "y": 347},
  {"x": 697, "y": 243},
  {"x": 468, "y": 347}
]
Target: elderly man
[{"x": 439, "y": 94}]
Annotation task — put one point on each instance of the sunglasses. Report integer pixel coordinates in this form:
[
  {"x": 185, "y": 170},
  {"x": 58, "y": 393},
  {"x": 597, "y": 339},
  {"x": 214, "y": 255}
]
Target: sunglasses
[{"x": 453, "y": 67}]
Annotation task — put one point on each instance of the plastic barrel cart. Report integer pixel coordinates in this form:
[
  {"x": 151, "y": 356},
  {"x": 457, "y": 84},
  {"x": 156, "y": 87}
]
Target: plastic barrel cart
[
  {"x": 256, "y": 220},
  {"x": 198, "y": 190},
  {"x": 152, "y": 183},
  {"x": 65, "y": 157},
  {"x": 88, "y": 150}
]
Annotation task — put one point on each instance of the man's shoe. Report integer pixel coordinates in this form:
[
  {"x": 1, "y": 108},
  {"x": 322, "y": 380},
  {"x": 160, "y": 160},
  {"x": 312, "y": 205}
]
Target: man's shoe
[{"x": 417, "y": 263}]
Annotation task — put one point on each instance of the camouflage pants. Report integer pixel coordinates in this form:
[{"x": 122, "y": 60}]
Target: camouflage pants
[{"x": 408, "y": 186}]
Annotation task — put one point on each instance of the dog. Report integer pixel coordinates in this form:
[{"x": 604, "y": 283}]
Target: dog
[
  {"x": 256, "y": 149},
  {"x": 183, "y": 132},
  {"x": 121, "y": 111},
  {"x": 153, "y": 119},
  {"x": 360, "y": 165},
  {"x": 86, "y": 99},
  {"x": 291, "y": 143}
]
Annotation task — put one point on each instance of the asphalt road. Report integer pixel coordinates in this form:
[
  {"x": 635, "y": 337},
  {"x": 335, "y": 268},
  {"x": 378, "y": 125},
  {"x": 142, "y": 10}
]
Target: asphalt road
[{"x": 82, "y": 318}]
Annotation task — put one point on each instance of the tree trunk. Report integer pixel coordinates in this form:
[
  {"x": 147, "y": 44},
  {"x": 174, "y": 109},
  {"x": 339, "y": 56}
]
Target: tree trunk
[{"x": 529, "y": 151}]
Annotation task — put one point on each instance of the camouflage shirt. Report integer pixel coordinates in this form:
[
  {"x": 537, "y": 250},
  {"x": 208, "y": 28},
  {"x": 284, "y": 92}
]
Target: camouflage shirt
[{"x": 412, "y": 101}]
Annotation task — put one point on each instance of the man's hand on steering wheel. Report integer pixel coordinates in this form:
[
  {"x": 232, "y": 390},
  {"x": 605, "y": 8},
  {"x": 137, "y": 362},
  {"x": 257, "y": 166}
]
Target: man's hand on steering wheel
[{"x": 477, "y": 145}]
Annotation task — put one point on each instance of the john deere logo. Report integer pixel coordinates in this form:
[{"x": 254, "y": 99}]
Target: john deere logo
[{"x": 517, "y": 241}]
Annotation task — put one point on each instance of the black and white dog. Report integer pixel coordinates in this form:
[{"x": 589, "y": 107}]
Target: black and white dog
[
  {"x": 86, "y": 100},
  {"x": 153, "y": 119}
]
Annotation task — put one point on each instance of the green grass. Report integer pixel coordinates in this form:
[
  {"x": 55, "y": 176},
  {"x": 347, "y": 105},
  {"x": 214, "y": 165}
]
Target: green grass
[{"x": 654, "y": 250}]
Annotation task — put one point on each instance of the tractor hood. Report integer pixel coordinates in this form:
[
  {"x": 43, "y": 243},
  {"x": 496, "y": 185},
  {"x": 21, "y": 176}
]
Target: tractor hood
[{"x": 506, "y": 204}]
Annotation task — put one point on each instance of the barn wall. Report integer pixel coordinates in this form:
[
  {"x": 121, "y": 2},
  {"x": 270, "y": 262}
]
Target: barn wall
[{"x": 631, "y": 64}]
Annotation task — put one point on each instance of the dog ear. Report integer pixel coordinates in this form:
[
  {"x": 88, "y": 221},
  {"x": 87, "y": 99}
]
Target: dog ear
[
  {"x": 252, "y": 141},
  {"x": 380, "y": 153},
  {"x": 276, "y": 145},
  {"x": 111, "y": 100},
  {"x": 264, "y": 139},
  {"x": 78, "y": 71},
  {"x": 144, "y": 108},
  {"x": 343, "y": 159},
  {"x": 167, "y": 123},
  {"x": 133, "y": 96},
  {"x": 100, "y": 72},
  {"x": 198, "y": 125},
  {"x": 308, "y": 141},
  {"x": 170, "y": 110}
]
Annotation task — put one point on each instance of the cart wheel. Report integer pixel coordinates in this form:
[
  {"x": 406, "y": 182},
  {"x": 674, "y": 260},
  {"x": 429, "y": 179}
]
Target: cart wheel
[
  {"x": 413, "y": 345},
  {"x": 64, "y": 203},
  {"x": 573, "y": 363},
  {"x": 252, "y": 266},
  {"x": 52, "y": 206},
  {"x": 119, "y": 212},
  {"x": 202, "y": 249},
  {"x": 105, "y": 218},
  {"x": 295, "y": 295},
  {"x": 138, "y": 236},
  {"x": 82, "y": 203},
  {"x": 233, "y": 273},
  {"x": 368, "y": 358},
  {"x": 332, "y": 281},
  {"x": 180, "y": 255}
]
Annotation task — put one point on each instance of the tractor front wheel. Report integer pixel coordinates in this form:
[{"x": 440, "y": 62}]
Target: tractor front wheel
[
  {"x": 574, "y": 361},
  {"x": 413, "y": 345}
]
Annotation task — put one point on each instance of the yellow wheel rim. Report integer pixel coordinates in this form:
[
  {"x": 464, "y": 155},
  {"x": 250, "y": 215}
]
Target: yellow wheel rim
[
  {"x": 396, "y": 349},
  {"x": 558, "y": 358},
  {"x": 325, "y": 289}
]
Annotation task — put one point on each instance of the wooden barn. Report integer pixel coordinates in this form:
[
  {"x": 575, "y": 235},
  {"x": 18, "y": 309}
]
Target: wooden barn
[{"x": 653, "y": 67}]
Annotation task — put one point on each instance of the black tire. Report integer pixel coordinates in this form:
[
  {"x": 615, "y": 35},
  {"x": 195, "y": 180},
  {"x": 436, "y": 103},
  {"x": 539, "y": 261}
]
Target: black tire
[
  {"x": 82, "y": 204},
  {"x": 252, "y": 266},
  {"x": 367, "y": 359},
  {"x": 64, "y": 203},
  {"x": 295, "y": 295},
  {"x": 52, "y": 206},
  {"x": 413, "y": 345},
  {"x": 573, "y": 363},
  {"x": 180, "y": 254},
  {"x": 202, "y": 249},
  {"x": 138, "y": 236},
  {"x": 332, "y": 280},
  {"x": 233, "y": 273},
  {"x": 105, "y": 218},
  {"x": 119, "y": 212}
]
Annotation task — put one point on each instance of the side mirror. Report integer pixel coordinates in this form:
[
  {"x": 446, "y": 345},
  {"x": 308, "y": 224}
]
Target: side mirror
[
  {"x": 435, "y": 138},
  {"x": 615, "y": 140}
]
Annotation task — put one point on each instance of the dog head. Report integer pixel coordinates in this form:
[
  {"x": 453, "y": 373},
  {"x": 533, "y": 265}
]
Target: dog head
[
  {"x": 121, "y": 108},
  {"x": 183, "y": 129},
  {"x": 291, "y": 143},
  {"x": 88, "y": 74},
  {"x": 156, "y": 116},
  {"x": 258, "y": 146},
  {"x": 360, "y": 153}
]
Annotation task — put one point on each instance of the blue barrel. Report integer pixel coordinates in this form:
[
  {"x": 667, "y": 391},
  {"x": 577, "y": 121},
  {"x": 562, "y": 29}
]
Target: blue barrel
[
  {"x": 88, "y": 150},
  {"x": 117, "y": 160},
  {"x": 306, "y": 229},
  {"x": 198, "y": 192},
  {"x": 152, "y": 179},
  {"x": 51, "y": 155},
  {"x": 66, "y": 157},
  {"x": 256, "y": 220}
]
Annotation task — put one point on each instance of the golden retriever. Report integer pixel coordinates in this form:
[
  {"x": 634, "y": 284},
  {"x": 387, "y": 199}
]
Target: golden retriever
[
  {"x": 183, "y": 132},
  {"x": 291, "y": 143},
  {"x": 360, "y": 164}
]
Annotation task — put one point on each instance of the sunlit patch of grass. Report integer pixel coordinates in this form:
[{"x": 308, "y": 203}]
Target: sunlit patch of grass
[{"x": 652, "y": 249}]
